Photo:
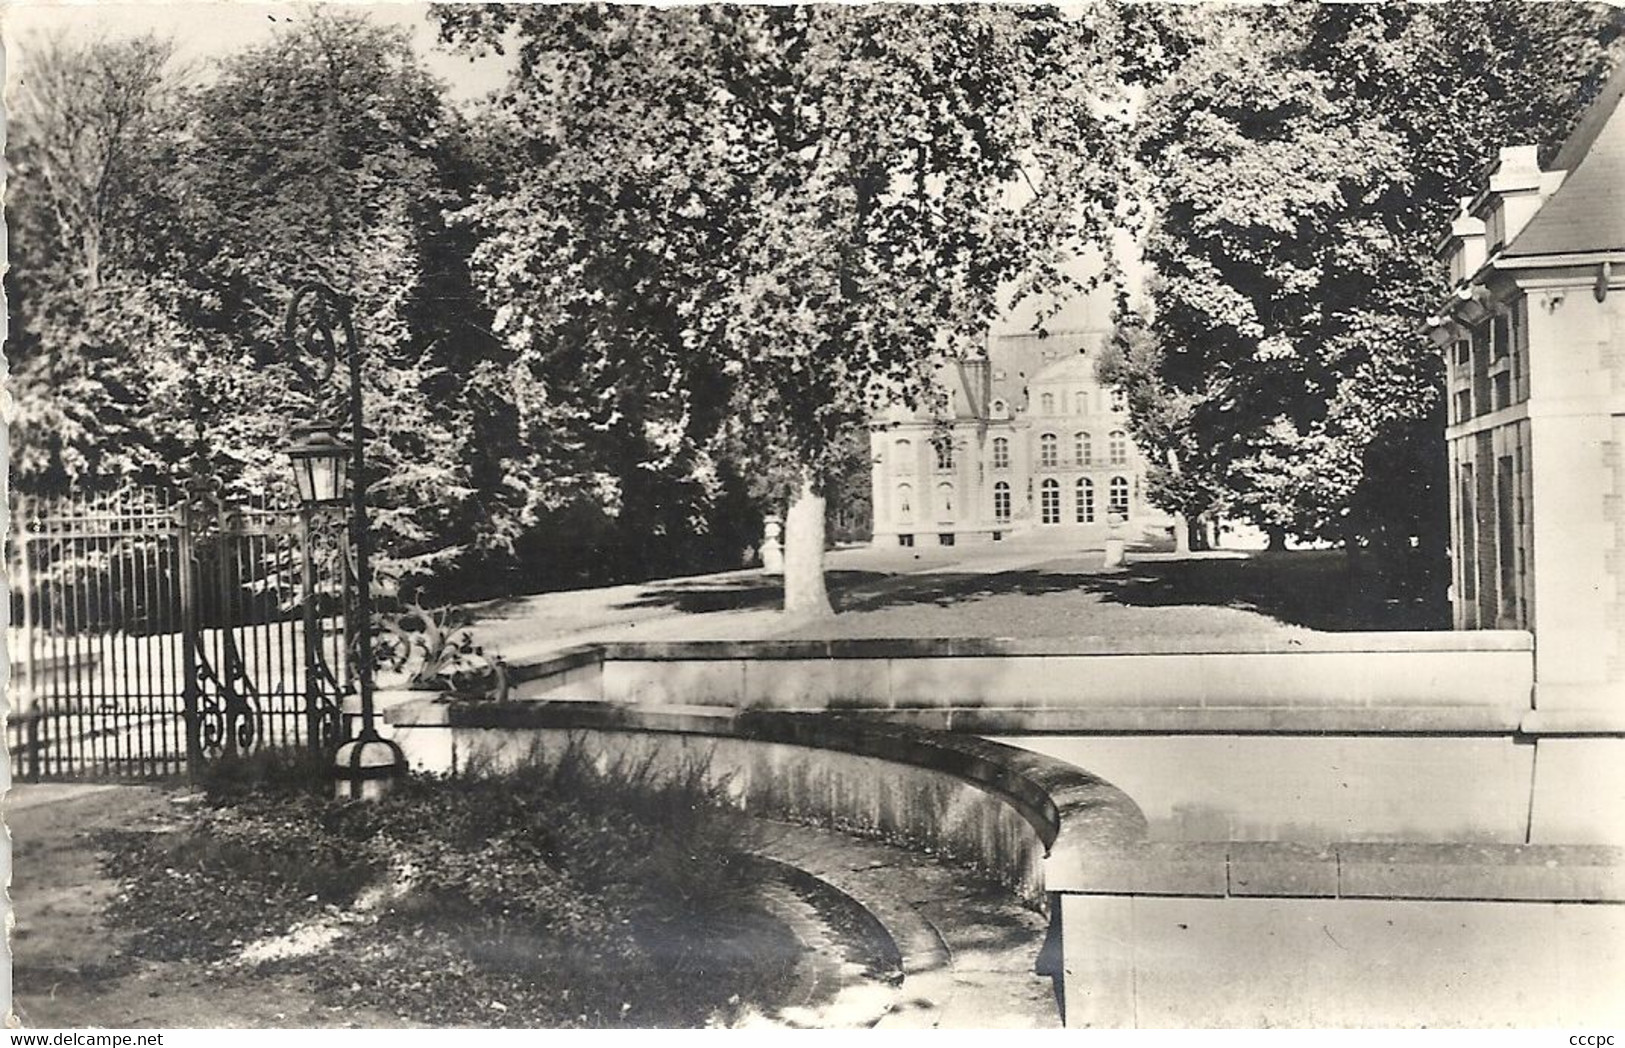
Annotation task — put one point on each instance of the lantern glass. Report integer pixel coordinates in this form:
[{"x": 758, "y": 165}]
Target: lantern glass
[{"x": 320, "y": 466}]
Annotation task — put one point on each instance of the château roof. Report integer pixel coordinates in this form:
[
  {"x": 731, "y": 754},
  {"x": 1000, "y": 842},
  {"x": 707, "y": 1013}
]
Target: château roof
[
  {"x": 1019, "y": 360},
  {"x": 1587, "y": 212}
]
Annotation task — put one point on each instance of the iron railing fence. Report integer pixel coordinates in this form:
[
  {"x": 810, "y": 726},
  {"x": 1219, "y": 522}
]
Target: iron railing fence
[{"x": 151, "y": 631}]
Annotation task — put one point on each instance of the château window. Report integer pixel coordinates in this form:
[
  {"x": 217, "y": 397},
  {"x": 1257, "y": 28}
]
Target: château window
[
  {"x": 1050, "y": 502},
  {"x": 1001, "y": 502},
  {"x": 1119, "y": 401},
  {"x": 903, "y": 457},
  {"x": 1117, "y": 447},
  {"x": 1048, "y": 451},
  {"x": 1080, "y": 402},
  {"x": 945, "y": 501},
  {"x": 1119, "y": 496},
  {"x": 1086, "y": 500},
  {"x": 945, "y": 455},
  {"x": 1080, "y": 445},
  {"x": 905, "y": 502},
  {"x": 1047, "y": 404},
  {"x": 1001, "y": 453}
]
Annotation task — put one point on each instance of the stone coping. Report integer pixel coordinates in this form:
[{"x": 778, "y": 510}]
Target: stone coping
[
  {"x": 1362, "y": 870},
  {"x": 1209, "y": 720},
  {"x": 1395, "y": 642},
  {"x": 1067, "y": 807},
  {"x": 595, "y": 654}
]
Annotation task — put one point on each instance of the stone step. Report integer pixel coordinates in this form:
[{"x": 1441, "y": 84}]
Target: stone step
[{"x": 965, "y": 948}]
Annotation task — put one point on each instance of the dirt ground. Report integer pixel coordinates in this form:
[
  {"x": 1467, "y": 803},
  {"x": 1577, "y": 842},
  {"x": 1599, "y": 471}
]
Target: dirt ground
[{"x": 69, "y": 968}]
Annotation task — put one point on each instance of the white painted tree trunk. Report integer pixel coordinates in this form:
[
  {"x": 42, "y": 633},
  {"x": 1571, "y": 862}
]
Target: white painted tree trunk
[
  {"x": 1182, "y": 534},
  {"x": 804, "y": 592}
]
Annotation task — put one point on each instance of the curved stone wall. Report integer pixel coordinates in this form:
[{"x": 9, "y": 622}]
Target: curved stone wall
[{"x": 1000, "y": 809}]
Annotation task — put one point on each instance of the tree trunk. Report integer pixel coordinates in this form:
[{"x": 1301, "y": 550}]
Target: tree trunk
[
  {"x": 1352, "y": 560},
  {"x": 1182, "y": 535},
  {"x": 804, "y": 592},
  {"x": 1277, "y": 539}
]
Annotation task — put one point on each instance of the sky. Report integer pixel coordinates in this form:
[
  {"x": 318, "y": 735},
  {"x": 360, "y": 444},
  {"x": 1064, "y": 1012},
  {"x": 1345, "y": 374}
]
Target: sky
[{"x": 206, "y": 31}]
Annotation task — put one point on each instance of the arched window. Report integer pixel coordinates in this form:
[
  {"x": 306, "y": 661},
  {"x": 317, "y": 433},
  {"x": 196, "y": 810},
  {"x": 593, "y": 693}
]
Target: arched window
[
  {"x": 1001, "y": 453},
  {"x": 1117, "y": 447},
  {"x": 1086, "y": 500},
  {"x": 903, "y": 457},
  {"x": 1047, "y": 404},
  {"x": 1119, "y": 496},
  {"x": 945, "y": 454},
  {"x": 1001, "y": 502},
  {"x": 1119, "y": 401},
  {"x": 1080, "y": 402},
  {"x": 945, "y": 501},
  {"x": 905, "y": 503},
  {"x": 1047, "y": 455},
  {"x": 1050, "y": 502},
  {"x": 1081, "y": 448}
]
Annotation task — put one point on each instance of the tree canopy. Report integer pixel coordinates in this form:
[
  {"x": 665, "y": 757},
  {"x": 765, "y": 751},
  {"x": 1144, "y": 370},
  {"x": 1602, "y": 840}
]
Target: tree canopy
[
  {"x": 1298, "y": 163},
  {"x": 765, "y": 223},
  {"x": 662, "y": 281}
]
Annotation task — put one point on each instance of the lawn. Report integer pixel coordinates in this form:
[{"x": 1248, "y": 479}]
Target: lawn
[{"x": 1010, "y": 589}]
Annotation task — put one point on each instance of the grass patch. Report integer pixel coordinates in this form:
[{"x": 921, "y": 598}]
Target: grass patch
[{"x": 558, "y": 894}]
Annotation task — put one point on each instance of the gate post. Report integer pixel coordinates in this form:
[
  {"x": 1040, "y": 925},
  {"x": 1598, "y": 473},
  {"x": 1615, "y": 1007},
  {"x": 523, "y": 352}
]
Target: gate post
[
  {"x": 314, "y": 658},
  {"x": 28, "y": 696},
  {"x": 190, "y": 638}
]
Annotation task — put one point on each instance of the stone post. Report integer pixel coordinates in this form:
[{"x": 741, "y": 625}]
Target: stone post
[
  {"x": 1114, "y": 540},
  {"x": 772, "y": 546}
]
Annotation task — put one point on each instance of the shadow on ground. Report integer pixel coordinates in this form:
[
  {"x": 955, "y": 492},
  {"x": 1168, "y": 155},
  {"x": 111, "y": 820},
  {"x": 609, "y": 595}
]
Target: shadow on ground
[
  {"x": 744, "y": 593},
  {"x": 1309, "y": 588},
  {"x": 1306, "y": 588}
]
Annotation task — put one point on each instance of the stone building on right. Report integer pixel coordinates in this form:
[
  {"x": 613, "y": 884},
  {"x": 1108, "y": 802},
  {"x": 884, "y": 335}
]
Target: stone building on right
[{"x": 1534, "y": 331}]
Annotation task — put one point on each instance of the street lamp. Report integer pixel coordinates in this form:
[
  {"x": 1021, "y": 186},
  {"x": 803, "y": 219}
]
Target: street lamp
[
  {"x": 320, "y": 464},
  {"x": 318, "y": 329}
]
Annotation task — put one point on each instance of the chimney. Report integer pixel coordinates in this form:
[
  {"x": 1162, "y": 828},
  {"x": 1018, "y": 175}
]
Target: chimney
[
  {"x": 1517, "y": 188},
  {"x": 1462, "y": 249}
]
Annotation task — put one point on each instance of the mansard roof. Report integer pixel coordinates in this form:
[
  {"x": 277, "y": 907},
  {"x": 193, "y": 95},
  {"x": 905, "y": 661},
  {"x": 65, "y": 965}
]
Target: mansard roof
[{"x": 1587, "y": 212}]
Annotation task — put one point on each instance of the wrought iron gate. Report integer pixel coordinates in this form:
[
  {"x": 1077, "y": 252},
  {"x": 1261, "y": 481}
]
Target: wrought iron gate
[{"x": 150, "y": 632}]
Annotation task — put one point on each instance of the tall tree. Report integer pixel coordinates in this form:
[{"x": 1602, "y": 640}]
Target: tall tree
[
  {"x": 329, "y": 154},
  {"x": 802, "y": 211},
  {"x": 1299, "y": 163},
  {"x": 91, "y": 206}
]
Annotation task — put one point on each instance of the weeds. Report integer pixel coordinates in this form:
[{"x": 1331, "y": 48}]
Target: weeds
[{"x": 558, "y": 893}]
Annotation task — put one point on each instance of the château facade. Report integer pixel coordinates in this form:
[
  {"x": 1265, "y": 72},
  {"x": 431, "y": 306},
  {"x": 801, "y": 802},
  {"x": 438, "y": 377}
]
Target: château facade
[
  {"x": 1029, "y": 440},
  {"x": 1534, "y": 334}
]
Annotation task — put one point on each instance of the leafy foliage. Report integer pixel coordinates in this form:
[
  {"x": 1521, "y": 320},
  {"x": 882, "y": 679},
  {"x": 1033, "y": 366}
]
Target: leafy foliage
[
  {"x": 1300, "y": 162},
  {"x": 745, "y": 229}
]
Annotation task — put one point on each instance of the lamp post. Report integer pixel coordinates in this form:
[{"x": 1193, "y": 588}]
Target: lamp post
[{"x": 318, "y": 330}]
